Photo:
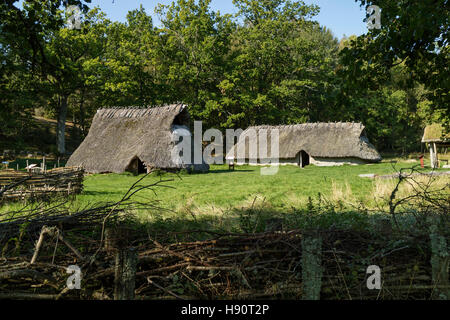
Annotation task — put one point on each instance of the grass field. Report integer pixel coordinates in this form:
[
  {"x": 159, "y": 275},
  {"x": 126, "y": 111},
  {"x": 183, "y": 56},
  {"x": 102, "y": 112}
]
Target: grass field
[
  {"x": 222, "y": 188},
  {"x": 222, "y": 193},
  {"x": 243, "y": 200}
]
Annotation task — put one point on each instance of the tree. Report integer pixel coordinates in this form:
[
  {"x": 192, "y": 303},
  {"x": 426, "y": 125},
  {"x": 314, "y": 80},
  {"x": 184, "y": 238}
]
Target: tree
[
  {"x": 28, "y": 32},
  {"x": 282, "y": 64},
  {"x": 193, "y": 51},
  {"x": 414, "y": 33},
  {"x": 24, "y": 29},
  {"x": 394, "y": 111},
  {"x": 130, "y": 71},
  {"x": 73, "y": 52},
  {"x": 16, "y": 92}
]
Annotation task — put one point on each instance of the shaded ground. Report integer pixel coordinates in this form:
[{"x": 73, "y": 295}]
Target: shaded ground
[{"x": 40, "y": 136}]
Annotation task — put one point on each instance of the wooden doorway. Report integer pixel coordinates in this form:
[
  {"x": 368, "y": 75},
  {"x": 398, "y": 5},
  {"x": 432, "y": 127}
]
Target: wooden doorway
[
  {"x": 137, "y": 167},
  {"x": 303, "y": 159}
]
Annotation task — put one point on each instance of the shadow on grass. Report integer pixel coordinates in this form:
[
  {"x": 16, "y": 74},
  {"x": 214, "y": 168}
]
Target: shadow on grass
[{"x": 260, "y": 218}]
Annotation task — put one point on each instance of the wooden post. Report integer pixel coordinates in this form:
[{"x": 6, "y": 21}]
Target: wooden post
[
  {"x": 58, "y": 162},
  {"x": 125, "y": 274},
  {"x": 433, "y": 156},
  {"x": 311, "y": 267},
  {"x": 436, "y": 155},
  {"x": 109, "y": 238},
  {"x": 440, "y": 261}
]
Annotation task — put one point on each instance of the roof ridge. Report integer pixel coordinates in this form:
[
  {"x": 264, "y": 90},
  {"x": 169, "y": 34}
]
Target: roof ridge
[
  {"x": 137, "y": 112},
  {"x": 309, "y": 125}
]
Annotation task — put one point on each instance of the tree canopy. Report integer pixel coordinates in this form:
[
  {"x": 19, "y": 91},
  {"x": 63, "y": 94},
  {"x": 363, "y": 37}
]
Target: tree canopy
[
  {"x": 271, "y": 63},
  {"x": 414, "y": 34}
]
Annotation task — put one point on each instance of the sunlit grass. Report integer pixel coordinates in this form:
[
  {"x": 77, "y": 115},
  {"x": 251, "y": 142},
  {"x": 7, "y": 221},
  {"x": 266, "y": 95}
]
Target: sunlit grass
[
  {"x": 218, "y": 199},
  {"x": 221, "y": 189}
]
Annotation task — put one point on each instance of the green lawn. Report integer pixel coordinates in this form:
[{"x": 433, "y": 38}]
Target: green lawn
[
  {"x": 221, "y": 188},
  {"x": 245, "y": 201}
]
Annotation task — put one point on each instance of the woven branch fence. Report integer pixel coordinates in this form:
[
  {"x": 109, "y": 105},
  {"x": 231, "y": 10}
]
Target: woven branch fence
[
  {"x": 18, "y": 185},
  {"x": 119, "y": 260},
  {"x": 277, "y": 265}
]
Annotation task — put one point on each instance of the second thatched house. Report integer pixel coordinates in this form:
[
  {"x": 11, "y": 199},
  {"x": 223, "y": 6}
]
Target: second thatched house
[
  {"x": 321, "y": 144},
  {"x": 134, "y": 140}
]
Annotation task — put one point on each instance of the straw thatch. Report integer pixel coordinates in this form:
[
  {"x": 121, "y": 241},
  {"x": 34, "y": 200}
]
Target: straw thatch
[
  {"x": 435, "y": 133},
  {"x": 120, "y": 136},
  {"x": 319, "y": 140}
]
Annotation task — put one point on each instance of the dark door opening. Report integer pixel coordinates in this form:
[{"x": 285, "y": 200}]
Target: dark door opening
[
  {"x": 137, "y": 167},
  {"x": 303, "y": 159},
  {"x": 142, "y": 169}
]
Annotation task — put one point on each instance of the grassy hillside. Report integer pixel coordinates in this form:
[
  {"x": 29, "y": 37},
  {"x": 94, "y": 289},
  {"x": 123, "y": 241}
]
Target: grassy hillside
[{"x": 40, "y": 136}]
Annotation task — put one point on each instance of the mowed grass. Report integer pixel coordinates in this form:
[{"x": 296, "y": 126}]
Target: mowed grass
[
  {"x": 244, "y": 200},
  {"x": 223, "y": 189}
]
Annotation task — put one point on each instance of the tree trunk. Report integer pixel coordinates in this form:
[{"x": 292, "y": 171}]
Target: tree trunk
[
  {"x": 61, "y": 129},
  {"x": 82, "y": 120}
]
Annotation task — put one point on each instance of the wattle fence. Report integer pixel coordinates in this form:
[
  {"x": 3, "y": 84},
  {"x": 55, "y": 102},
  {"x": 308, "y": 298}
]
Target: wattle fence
[{"x": 19, "y": 185}]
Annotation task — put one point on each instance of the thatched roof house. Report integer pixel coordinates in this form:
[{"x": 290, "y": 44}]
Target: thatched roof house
[
  {"x": 132, "y": 139},
  {"x": 323, "y": 144}
]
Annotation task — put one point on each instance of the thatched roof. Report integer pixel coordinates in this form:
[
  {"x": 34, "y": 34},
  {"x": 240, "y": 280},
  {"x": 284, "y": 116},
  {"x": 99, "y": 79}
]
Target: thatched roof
[
  {"x": 323, "y": 140},
  {"x": 435, "y": 133},
  {"x": 118, "y": 135}
]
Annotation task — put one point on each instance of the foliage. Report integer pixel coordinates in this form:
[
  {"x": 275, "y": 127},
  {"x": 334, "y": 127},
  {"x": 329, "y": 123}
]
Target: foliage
[
  {"x": 414, "y": 33},
  {"x": 271, "y": 63}
]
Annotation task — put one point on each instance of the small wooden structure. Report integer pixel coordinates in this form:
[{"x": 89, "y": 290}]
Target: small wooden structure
[{"x": 435, "y": 138}]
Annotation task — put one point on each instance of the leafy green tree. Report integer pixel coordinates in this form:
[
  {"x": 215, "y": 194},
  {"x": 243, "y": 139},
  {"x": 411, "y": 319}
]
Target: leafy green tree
[
  {"x": 283, "y": 66},
  {"x": 130, "y": 71},
  {"x": 73, "y": 52},
  {"x": 36, "y": 34},
  {"x": 193, "y": 52},
  {"x": 16, "y": 97},
  {"x": 25, "y": 28},
  {"x": 414, "y": 33},
  {"x": 394, "y": 112}
]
